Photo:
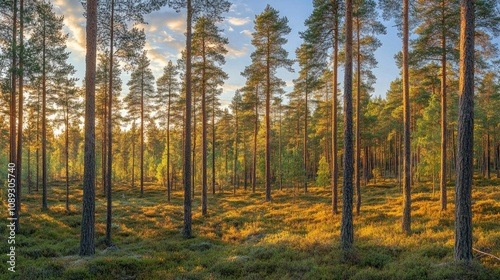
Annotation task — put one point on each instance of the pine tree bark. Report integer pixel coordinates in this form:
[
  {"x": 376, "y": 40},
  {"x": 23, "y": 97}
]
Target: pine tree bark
[
  {"x": 169, "y": 186},
  {"x": 268, "y": 122},
  {"x": 19, "y": 156},
  {"x": 66, "y": 153},
  {"x": 488, "y": 172},
  {"x": 406, "y": 224},
  {"x": 187, "y": 129},
  {"x": 235, "y": 165},
  {"x": 358, "y": 116},
  {"x": 255, "y": 131},
  {"x": 280, "y": 153},
  {"x": 335, "y": 114},
  {"x": 463, "y": 188},
  {"x": 141, "y": 152},
  {"x": 213, "y": 145},
  {"x": 13, "y": 114},
  {"x": 305, "y": 136},
  {"x": 87, "y": 245},
  {"x": 44, "y": 121},
  {"x": 443, "y": 112},
  {"x": 347, "y": 230},
  {"x": 204, "y": 134},
  {"x": 109, "y": 171}
]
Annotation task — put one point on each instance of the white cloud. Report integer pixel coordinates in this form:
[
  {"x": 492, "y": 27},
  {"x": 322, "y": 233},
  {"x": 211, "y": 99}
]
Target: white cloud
[
  {"x": 167, "y": 37},
  {"x": 247, "y": 32},
  {"x": 176, "y": 24},
  {"x": 238, "y": 21},
  {"x": 235, "y": 53},
  {"x": 74, "y": 25}
]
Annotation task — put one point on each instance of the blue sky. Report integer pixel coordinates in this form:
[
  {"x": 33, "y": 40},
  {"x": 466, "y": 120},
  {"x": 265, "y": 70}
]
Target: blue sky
[{"x": 165, "y": 39}]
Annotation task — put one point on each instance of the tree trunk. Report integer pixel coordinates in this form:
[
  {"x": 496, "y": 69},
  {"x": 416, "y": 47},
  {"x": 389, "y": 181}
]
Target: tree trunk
[
  {"x": 280, "y": 153},
  {"x": 203, "y": 136},
  {"x": 13, "y": 114},
  {"x": 187, "y": 130},
  {"x": 406, "y": 224},
  {"x": 66, "y": 153},
  {"x": 358, "y": 116},
  {"x": 268, "y": 121},
  {"x": 305, "y": 138},
  {"x": 19, "y": 156},
  {"x": 213, "y": 145},
  {"x": 235, "y": 167},
  {"x": 255, "y": 131},
  {"x": 169, "y": 186},
  {"x": 347, "y": 231},
  {"x": 109, "y": 171},
  {"x": 193, "y": 166},
  {"x": 141, "y": 163},
  {"x": 29, "y": 161},
  {"x": 87, "y": 246},
  {"x": 488, "y": 173},
  {"x": 463, "y": 189},
  {"x": 104, "y": 137},
  {"x": 44, "y": 123},
  {"x": 443, "y": 114}
]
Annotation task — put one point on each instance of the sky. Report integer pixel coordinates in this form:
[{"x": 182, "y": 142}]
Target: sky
[{"x": 165, "y": 40}]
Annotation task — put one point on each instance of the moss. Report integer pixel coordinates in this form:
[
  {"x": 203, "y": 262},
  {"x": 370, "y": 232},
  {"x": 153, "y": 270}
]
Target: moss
[{"x": 294, "y": 237}]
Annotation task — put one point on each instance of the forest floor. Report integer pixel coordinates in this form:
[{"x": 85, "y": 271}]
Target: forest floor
[{"x": 293, "y": 237}]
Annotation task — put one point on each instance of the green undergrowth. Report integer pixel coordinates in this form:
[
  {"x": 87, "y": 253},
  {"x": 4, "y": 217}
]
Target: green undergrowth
[{"x": 243, "y": 237}]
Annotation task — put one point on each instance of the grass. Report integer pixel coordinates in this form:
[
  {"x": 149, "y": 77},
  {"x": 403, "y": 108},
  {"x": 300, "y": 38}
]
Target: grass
[{"x": 243, "y": 237}]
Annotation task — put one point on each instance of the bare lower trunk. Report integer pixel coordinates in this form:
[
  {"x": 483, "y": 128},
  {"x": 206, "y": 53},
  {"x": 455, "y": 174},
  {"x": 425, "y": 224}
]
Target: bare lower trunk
[
  {"x": 443, "y": 116},
  {"x": 406, "y": 224},
  {"x": 347, "y": 231},
  {"x": 335, "y": 115},
  {"x": 186, "y": 232},
  {"x": 463, "y": 189},
  {"x": 87, "y": 246}
]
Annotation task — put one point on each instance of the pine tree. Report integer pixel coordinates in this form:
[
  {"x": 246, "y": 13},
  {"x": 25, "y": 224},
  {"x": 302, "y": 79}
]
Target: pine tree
[
  {"x": 139, "y": 101},
  {"x": 168, "y": 90},
  {"x": 208, "y": 52},
  {"x": 323, "y": 178},
  {"x": 66, "y": 100},
  {"x": 392, "y": 8},
  {"x": 324, "y": 34},
  {"x": 49, "y": 44},
  {"x": 235, "y": 107},
  {"x": 463, "y": 188},
  {"x": 87, "y": 244},
  {"x": 304, "y": 85},
  {"x": 196, "y": 8},
  {"x": 347, "y": 231},
  {"x": 268, "y": 40},
  {"x": 366, "y": 27}
]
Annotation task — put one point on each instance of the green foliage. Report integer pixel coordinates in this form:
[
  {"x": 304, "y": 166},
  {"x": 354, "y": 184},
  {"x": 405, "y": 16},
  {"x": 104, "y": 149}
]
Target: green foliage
[
  {"x": 429, "y": 138},
  {"x": 323, "y": 175}
]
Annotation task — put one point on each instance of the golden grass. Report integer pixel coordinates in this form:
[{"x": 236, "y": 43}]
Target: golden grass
[{"x": 295, "y": 236}]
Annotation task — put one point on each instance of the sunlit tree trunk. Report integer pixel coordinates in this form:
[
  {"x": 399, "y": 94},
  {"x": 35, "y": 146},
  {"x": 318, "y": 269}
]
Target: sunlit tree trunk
[
  {"x": 406, "y": 224},
  {"x": 204, "y": 134},
  {"x": 335, "y": 170},
  {"x": 44, "y": 121},
  {"x": 358, "y": 117},
  {"x": 347, "y": 230},
  {"x": 109, "y": 171},
  {"x": 87, "y": 246},
  {"x": 443, "y": 110},
  {"x": 463, "y": 189}
]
